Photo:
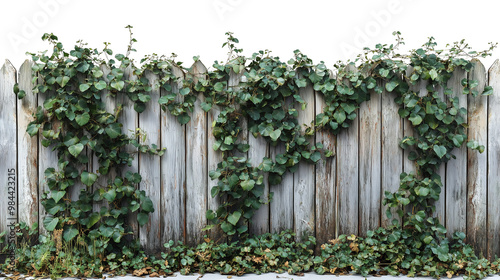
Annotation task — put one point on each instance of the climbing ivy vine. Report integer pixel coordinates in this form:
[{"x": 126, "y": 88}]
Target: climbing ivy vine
[{"x": 75, "y": 122}]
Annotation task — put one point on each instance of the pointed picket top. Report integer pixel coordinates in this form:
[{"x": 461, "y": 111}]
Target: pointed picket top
[
  {"x": 198, "y": 69},
  {"x": 8, "y": 69},
  {"x": 495, "y": 66}
]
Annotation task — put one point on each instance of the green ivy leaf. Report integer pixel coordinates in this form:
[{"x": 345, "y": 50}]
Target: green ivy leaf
[
  {"x": 247, "y": 185},
  {"x": 390, "y": 86},
  {"x": 147, "y": 205},
  {"x": 113, "y": 130},
  {"x": 84, "y": 87},
  {"x": 440, "y": 150},
  {"x": 50, "y": 223},
  {"x": 82, "y": 119},
  {"x": 57, "y": 195},
  {"x": 76, "y": 149},
  {"x": 142, "y": 218},
  {"x": 93, "y": 219},
  {"x": 70, "y": 233},
  {"x": 183, "y": 118},
  {"x": 234, "y": 217},
  {"x": 88, "y": 178},
  {"x": 275, "y": 134}
]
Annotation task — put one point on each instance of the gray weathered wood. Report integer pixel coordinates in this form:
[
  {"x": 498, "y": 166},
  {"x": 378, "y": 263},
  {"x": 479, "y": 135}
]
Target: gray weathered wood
[
  {"x": 8, "y": 147},
  {"x": 259, "y": 148},
  {"x": 456, "y": 169},
  {"x": 477, "y": 164},
  {"x": 149, "y": 166},
  {"x": 173, "y": 173},
  {"x": 304, "y": 177},
  {"x": 130, "y": 120},
  {"x": 348, "y": 177},
  {"x": 281, "y": 207},
  {"x": 392, "y": 154},
  {"x": 493, "y": 149},
  {"x": 27, "y": 150},
  {"x": 214, "y": 157},
  {"x": 46, "y": 159},
  {"x": 196, "y": 168},
  {"x": 370, "y": 125},
  {"x": 102, "y": 180},
  {"x": 326, "y": 197}
]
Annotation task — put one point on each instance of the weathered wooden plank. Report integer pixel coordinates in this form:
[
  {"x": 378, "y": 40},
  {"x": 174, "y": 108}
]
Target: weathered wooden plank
[
  {"x": 392, "y": 154},
  {"x": 8, "y": 156},
  {"x": 326, "y": 171},
  {"x": 130, "y": 120},
  {"x": 348, "y": 177},
  {"x": 232, "y": 84},
  {"x": 102, "y": 180},
  {"x": 213, "y": 158},
  {"x": 304, "y": 177},
  {"x": 281, "y": 207},
  {"x": 493, "y": 149},
  {"x": 27, "y": 150},
  {"x": 259, "y": 148},
  {"x": 196, "y": 168},
  {"x": 456, "y": 169},
  {"x": 410, "y": 166},
  {"x": 477, "y": 165},
  {"x": 370, "y": 126},
  {"x": 149, "y": 166},
  {"x": 173, "y": 173}
]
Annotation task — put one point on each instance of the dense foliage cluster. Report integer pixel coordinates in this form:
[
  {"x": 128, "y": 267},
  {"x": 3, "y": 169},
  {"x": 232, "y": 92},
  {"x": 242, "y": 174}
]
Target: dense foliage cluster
[{"x": 76, "y": 121}]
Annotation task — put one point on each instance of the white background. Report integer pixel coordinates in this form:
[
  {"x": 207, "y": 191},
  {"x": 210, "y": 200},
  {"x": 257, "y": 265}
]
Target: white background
[{"x": 324, "y": 30}]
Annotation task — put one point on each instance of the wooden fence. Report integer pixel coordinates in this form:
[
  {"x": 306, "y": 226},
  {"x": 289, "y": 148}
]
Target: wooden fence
[{"x": 340, "y": 195}]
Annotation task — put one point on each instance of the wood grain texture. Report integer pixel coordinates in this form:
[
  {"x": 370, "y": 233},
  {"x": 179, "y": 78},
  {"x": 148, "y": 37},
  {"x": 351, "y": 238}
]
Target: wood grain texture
[
  {"x": 259, "y": 148},
  {"x": 27, "y": 150},
  {"x": 392, "y": 154},
  {"x": 173, "y": 173},
  {"x": 370, "y": 126},
  {"x": 213, "y": 158},
  {"x": 281, "y": 207},
  {"x": 348, "y": 177},
  {"x": 102, "y": 180},
  {"x": 477, "y": 164},
  {"x": 456, "y": 169},
  {"x": 149, "y": 166},
  {"x": 130, "y": 120},
  {"x": 304, "y": 177},
  {"x": 326, "y": 196},
  {"x": 8, "y": 147},
  {"x": 196, "y": 170},
  {"x": 493, "y": 149}
]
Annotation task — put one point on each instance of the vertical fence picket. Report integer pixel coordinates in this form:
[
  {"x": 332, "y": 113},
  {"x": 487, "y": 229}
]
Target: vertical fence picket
[
  {"x": 173, "y": 172},
  {"x": 8, "y": 154},
  {"x": 456, "y": 169},
  {"x": 196, "y": 169},
  {"x": 102, "y": 180},
  {"x": 369, "y": 163},
  {"x": 130, "y": 120},
  {"x": 27, "y": 150},
  {"x": 348, "y": 176},
  {"x": 304, "y": 177},
  {"x": 149, "y": 122},
  {"x": 281, "y": 207},
  {"x": 326, "y": 198},
  {"x": 477, "y": 165},
  {"x": 259, "y": 149},
  {"x": 493, "y": 149},
  {"x": 392, "y": 154}
]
